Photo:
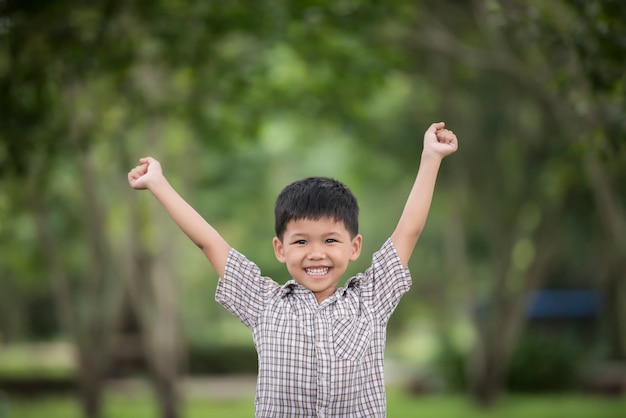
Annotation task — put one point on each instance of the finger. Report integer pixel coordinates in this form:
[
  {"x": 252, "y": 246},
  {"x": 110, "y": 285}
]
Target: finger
[
  {"x": 443, "y": 135},
  {"x": 453, "y": 142},
  {"x": 452, "y": 137},
  {"x": 435, "y": 127},
  {"x": 446, "y": 135},
  {"x": 132, "y": 179},
  {"x": 138, "y": 171},
  {"x": 147, "y": 160}
]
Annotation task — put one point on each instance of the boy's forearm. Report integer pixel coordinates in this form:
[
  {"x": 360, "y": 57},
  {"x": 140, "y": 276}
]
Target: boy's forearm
[
  {"x": 192, "y": 224},
  {"x": 417, "y": 206}
]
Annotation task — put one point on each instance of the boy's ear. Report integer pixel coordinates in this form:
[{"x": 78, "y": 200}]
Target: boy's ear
[
  {"x": 357, "y": 242},
  {"x": 279, "y": 250}
]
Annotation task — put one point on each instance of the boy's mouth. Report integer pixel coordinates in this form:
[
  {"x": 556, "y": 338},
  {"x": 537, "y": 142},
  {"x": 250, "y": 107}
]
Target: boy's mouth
[{"x": 317, "y": 271}]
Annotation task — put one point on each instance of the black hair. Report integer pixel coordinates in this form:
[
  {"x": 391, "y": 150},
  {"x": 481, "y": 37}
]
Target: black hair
[{"x": 315, "y": 198}]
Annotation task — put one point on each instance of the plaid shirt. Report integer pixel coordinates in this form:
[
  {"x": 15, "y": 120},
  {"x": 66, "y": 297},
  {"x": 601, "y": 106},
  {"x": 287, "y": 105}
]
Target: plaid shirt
[{"x": 315, "y": 360}]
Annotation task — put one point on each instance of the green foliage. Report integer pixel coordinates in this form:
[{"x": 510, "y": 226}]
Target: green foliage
[
  {"x": 547, "y": 362},
  {"x": 452, "y": 365},
  {"x": 222, "y": 359}
]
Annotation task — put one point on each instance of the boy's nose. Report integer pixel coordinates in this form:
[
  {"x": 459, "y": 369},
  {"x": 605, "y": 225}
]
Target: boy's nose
[{"x": 317, "y": 253}]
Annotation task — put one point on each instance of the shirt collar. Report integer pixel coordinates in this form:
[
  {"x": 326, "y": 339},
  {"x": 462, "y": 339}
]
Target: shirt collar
[{"x": 294, "y": 287}]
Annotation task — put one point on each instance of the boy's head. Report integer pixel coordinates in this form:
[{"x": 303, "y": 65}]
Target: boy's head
[
  {"x": 316, "y": 198},
  {"x": 317, "y": 233}
]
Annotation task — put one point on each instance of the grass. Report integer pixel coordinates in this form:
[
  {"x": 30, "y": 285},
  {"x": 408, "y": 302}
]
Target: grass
[
  {"x": 400, "y": 405},
  {"x": 67, "y": 407}
]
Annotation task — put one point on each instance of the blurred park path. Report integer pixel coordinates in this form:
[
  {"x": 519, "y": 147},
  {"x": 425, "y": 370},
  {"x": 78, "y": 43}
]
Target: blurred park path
[{"x": 223, "y": 387}]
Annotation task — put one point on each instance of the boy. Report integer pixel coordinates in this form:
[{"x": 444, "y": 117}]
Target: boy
[{"x": 320, "y": 347}]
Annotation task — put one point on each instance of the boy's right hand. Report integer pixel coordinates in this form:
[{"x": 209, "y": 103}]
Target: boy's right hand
[{"x": 142, "y": 175}]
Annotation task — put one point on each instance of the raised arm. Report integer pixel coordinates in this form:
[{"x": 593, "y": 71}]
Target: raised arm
[
  {"x": 148, "y": 175},
  {"x": 438, "y": 143}
]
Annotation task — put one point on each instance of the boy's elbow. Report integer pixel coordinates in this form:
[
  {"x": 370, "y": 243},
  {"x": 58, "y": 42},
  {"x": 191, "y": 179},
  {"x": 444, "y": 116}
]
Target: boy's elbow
[
  {"x": 202, "y": 244},
  {"x": 416, "y": 232}
]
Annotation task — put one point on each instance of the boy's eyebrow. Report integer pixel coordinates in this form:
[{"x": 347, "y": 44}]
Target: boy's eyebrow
[
  {"x": 334, "y": 233},
  {"x": 304, "y": 234}
]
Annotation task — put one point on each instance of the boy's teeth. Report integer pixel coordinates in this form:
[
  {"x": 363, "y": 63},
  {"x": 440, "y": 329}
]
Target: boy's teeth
[{"x": 317, "y": 272}]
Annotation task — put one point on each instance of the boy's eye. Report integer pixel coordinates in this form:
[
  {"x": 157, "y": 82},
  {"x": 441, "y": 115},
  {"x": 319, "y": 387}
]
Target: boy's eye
[
  {"x": 331, "y": 240},
  {"x": 300, "y": 242}
]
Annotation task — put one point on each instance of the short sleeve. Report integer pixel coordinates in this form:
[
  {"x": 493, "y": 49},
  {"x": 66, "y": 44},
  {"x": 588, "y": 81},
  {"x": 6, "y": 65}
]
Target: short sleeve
[
  {"x": 384, "y": 282},
  {"x": 242, "y": 290}
]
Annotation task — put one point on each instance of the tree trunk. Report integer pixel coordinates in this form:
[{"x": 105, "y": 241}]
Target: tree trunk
[
  {"x": 90, "y": 382},
  {"x": 163, "y": 334},
  {"x": 613, "y": 217},
  {"x": 487, "y": 384},
  {"x": 504, "y": 319},
  {"x": 168, "y": 396},
  {"x": 89, "y": 386},
  {"x": 88, "y": 379},
  {"x": 614, "y": 297}
]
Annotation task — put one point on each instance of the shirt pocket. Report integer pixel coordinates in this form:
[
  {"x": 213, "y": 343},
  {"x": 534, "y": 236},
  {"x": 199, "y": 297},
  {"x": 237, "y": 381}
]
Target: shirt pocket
[{"x": 351, "y": 337}]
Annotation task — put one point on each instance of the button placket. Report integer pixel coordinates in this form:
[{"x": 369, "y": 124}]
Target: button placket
[{"x": 320, "y": 319}]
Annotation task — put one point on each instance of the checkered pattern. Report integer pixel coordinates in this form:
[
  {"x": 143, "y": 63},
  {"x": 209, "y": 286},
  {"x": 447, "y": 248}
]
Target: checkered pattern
[{"x": 315, "y": 360}]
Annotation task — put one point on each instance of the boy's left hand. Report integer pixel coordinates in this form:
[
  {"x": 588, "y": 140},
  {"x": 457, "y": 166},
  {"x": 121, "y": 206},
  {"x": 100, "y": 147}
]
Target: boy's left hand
[{"x": 439, "y": 141}]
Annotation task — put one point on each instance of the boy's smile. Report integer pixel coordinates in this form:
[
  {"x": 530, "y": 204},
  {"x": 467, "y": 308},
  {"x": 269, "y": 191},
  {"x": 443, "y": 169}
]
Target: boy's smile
[{"x": 316, "y": 253}]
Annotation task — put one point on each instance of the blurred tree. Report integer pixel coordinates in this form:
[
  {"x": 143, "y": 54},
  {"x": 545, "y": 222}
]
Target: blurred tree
[
  {"x": 579, "y": 75},
  {"x": 586, "y": 63},
  {"x": 79, "y": 82},
  {"x": 557, "y": 68}
]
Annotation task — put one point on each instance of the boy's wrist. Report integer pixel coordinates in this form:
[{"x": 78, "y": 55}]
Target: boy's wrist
[
  {"x": 429, "y": 156},
  {"x": 156, "y": 183}
]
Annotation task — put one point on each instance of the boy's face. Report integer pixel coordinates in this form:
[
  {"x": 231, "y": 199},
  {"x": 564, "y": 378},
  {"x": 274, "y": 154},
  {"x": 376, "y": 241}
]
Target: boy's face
[{"x": 317, "y": 253}]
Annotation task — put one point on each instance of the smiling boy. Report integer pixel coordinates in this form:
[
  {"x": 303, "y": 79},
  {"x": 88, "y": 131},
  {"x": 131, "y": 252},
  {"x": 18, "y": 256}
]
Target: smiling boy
[
  {"x": 317, "y": 233},
  {"x": 320, "y": 347}
]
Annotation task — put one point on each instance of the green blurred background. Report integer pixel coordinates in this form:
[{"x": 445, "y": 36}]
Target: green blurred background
[{"x": 518, "y": 306}]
